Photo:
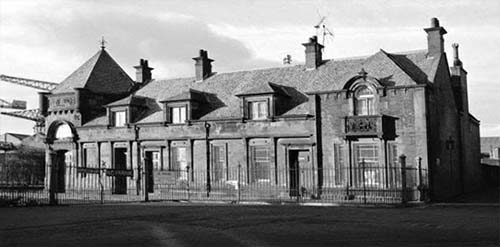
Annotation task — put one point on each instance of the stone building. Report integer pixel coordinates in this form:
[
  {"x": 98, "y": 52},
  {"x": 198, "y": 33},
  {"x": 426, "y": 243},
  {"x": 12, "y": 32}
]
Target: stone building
[{"x": 321, "y": 128}]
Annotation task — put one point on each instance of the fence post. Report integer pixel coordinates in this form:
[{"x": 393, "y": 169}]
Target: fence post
[
  {"x": 239, "y": 184},
  {"x": 364, "y": 182},
  {"x": 402, "y": 161},
  {"x": 101, "y": 186},
  {"x": 146, "y": 179},
  {"x": 420, "y": 184}
]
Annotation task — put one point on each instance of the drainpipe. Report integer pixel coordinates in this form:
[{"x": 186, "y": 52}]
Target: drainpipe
[{"x": 207, "y": 130}]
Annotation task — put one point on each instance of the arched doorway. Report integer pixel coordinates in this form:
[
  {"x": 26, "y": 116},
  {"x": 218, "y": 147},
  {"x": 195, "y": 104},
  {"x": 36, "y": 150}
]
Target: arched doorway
[{"x": 61, "y": 142}]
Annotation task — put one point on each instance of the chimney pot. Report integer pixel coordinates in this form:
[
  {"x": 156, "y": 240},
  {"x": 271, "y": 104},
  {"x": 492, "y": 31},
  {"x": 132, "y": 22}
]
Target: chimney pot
[
  {"x": 456, "y": 59},
  {"x": 434, "y": 22},
  {"x": 435, "y": 41}
]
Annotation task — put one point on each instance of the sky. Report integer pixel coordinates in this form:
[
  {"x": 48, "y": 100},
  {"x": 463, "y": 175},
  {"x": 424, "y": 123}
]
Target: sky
[{"x": 47, "y": 40}]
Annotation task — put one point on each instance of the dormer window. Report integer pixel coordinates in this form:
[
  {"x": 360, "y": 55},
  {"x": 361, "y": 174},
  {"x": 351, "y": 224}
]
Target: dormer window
[
  {"x": 126, "y": 111},
  {"x": 364, "y": 99},
  {"x": 186, "y": 106},
  {"x": 265, "y": 101},
  {"x": 178, "y": 114},
  {"x": 119, "y": 118},
  {"x": 258, "y": 110}
]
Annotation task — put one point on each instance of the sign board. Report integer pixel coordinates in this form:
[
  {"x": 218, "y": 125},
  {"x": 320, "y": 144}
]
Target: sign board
[
  {"x": 119, "y": 172},
  {"x": 165, "y": 177},
  {"x": 87, "y": 170},
  {"x": 62, "y": 102}
]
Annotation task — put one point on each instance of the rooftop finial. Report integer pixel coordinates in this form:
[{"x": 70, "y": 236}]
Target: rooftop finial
[
  {"x": 103, "y": 43},
  {"x": 362, "y": 72}
]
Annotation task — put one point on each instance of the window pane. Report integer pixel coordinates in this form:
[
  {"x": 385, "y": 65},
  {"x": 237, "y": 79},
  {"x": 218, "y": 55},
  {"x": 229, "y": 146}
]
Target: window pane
[
  {"x": 258, "y": 109},
  {"x": 260, "y": 163},
  {"x": 218, "y": 163},
  {"x": 89, "y": 158},
  {"x": 182, "y": 114},
  {"x": 340, "y": 168},
  {"x": 179, "y": 162},
  {"x": 120, "y": 118},
  {"x": 178, "y": 114},
  {"x": 370, "y": 173},
  {"x": 364, "y": 101}
]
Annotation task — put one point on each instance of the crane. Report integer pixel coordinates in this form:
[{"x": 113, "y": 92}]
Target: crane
[
  {"x": 41, "y": 85},
  {"x": 30, "y": 114}
]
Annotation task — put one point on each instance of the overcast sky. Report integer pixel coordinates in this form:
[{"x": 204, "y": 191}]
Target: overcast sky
[{"x": 47, "y": 40}]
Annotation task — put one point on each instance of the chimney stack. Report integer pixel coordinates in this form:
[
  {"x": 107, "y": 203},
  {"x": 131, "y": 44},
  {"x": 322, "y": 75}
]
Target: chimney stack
[
  {"x": 459, "y": 81},
  {"x": 143, "y": 72},
  {"x": 313, "y": 53},
  {"x": 203, "y": 66},
  {"x": 435, "y": 41}
]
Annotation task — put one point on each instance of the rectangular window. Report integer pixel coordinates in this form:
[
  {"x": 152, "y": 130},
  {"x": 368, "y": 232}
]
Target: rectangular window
[
  {"x": 260, "y": 163},
  {"x": 366, "y": 169},
  {"x": 340, "y": 166},
  {"x": 89, "y": 157},
  {"x": 178, "y": 114},
  {"x": 119, "y": 118},
  {"x": 258, "y": 110},
  {"x": 179, "y": 162},
  {"x": 219, "y": 164},
  {"x": 393, "y": 167}
]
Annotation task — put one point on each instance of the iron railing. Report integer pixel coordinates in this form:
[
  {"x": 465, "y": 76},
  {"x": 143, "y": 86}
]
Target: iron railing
[{"x": 362, "y": 183}]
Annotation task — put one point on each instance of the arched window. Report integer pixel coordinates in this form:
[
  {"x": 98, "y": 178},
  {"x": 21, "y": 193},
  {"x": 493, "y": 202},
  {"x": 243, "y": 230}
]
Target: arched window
[
  {"x": 364, "y": 99},
  {"x": 63, "y": 131}
]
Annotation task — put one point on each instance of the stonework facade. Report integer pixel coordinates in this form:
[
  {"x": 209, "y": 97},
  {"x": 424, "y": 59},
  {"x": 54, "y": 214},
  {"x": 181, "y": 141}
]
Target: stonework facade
[{"x": 343, "y": 123}]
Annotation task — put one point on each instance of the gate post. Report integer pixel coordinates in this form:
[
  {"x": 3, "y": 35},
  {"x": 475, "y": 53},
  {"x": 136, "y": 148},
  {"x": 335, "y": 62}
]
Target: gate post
[
  {"x": 402, "y": 161},
  {"x": 239, "y": 185},
  {"x": 364, "y": 179},
  {"x": 52, "y": 178},
  {"x": 188, "y": 177},
  {"x": 146, "y": 178}
]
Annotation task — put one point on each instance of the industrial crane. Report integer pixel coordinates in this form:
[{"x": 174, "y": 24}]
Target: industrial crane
[
  {"x": 31, "y": 114},
  {"x": 41, "y": 85}
]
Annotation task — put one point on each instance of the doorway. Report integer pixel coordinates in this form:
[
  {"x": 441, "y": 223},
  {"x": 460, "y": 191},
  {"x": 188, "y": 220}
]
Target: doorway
[
  {"x": 120, "y": 163},
  {"x": 152, "y": 161},
  {"x": 301, "y": 173},
  {"x": 59, "y": 170}
]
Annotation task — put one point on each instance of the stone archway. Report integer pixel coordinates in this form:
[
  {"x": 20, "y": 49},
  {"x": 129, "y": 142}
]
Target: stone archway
[{"x": 61, "y": 151}]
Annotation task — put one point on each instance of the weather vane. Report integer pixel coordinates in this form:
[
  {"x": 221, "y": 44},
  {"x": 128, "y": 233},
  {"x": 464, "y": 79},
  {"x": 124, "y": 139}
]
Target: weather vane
[{"x": 103, "y": 43}]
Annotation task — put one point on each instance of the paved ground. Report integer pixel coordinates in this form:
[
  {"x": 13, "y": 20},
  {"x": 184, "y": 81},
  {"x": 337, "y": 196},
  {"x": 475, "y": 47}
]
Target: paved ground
[{"x": 170, "y": 224}]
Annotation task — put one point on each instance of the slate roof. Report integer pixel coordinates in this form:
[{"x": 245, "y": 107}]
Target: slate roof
[
  {"x": 399, "y": 69},
  {"x": 99, "y": 74},
  {"x": 391, "y": 69},
  {"x": 131, "y": 100}
]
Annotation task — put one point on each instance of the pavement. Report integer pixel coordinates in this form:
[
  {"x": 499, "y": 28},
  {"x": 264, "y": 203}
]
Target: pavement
[{"x": 181, "y": 224}]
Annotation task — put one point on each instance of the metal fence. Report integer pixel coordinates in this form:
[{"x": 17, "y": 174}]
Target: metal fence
[{"x": 362, "y": 183}]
